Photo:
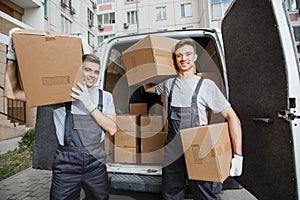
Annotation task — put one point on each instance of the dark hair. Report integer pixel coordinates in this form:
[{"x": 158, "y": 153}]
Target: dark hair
[
  {"x": 179, "y": 44},
  {"x": 185, "y": 41},
  {"x": 91, "y": 58}
]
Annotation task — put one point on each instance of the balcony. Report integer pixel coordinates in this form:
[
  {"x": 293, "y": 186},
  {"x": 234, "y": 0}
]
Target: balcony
[{"x": 27, "y": 3}]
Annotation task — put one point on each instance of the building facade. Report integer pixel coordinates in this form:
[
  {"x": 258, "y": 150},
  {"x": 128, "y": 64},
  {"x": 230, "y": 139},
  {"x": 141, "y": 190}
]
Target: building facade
[
  {"x": 119, "y": 17},
  {"x": 96, "y": 20}
]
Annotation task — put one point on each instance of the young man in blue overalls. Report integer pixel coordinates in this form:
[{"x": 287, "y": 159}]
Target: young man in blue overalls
[
  {"x": 189, "y": 97},
  {"x": 80, "y": 126}
]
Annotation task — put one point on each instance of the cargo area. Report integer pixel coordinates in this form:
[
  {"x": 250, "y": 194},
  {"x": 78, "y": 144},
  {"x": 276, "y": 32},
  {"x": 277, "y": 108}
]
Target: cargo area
[
  {"x": 134, "y": 99},
  {"x": 135, "y": 153}
]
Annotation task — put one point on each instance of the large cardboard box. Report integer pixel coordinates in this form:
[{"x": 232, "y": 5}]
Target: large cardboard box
[
  {"x": 138, "y": 108},
  {"x": 151, "y": 123},
  {"x": 149, "y": 60},
  {"x": 126, "y": 139},
  {"x": 49, "y": 65},
  {"x": 126, "y": 154},
  {"x": 207, "y": 151},
  {"x": 127, "y": 122},
  {"x": 152, "y": 147}
]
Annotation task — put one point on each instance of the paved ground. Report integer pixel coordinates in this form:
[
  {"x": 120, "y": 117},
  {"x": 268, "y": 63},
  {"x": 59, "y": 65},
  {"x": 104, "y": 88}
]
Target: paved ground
[{"x": 33, "y": 184}]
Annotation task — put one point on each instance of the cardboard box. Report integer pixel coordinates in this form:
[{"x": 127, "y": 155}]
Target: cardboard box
[
  {"x": 109, "y": 147},
  {"x": 49, "y": 65},
  {"x": 126, "y": 154},
  {"x": 149, "y": 60},
  {"x": 127, "y": 122},
  {"x": 152, "y": 147},
  {"x": 207, "y": 151},
  {"x": 138, "y": 108},
  {"x": 126, "y": 139},
  {"x": 151, "y": 123}
]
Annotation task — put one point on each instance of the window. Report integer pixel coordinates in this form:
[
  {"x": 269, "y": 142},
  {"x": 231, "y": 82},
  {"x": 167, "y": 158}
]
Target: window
[
  {"x": 66, "y": 25},
  {"x": 104, "y": 1},
  {"x": 45, "y": 9},
  {"x": 101, "y": 38},
  {"x": 186, "y": 10},
  {"x": 91, "y": 39},
  {"x": 108, "y": 18},
  {"x": 90, "y": 18},
  {"x": 130, "y": 0},
  {"x": 218, "y": 8},
  {"x": 131, "y": 17},
  {"x": 161, "y": 13}
]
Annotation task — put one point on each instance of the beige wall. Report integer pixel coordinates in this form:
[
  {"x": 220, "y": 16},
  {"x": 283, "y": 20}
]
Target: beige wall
[{"x": 2, "y": 69}]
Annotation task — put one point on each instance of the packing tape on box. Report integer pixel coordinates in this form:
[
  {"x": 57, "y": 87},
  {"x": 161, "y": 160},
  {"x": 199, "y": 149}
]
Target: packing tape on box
[{"x": 215, "y": 152}]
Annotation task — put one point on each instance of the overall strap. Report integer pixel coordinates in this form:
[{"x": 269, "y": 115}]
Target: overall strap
[
  {"x": 194, "y": 97},
  {"x": 68, "y": 106},
  {"x": 171, "y": 92},
  {"x": 100, "y": 101}
]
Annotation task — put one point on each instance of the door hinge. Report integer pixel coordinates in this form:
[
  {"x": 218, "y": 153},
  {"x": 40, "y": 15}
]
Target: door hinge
[{"x": 287, "y": 115}]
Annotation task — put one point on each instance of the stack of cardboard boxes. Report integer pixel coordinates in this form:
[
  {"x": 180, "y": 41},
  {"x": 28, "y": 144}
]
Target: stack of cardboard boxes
[{"x": 140, "y": 136}]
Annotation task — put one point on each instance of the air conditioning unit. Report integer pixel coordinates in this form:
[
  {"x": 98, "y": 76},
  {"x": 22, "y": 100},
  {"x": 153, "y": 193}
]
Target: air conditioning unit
[
  {"x": 126, "y": 25},
  {"x": 63, "y": 3},
  {"x": 100, "y": 27},
  {"x": 94, "y": 5},
  {"x": 73, "y": 11},
  {"x": 90, "y": 23}
]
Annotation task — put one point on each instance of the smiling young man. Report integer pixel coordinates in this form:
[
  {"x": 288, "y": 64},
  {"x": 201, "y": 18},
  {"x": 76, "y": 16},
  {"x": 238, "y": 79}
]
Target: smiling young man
[
  {"x": 189, "y": 97},
  {"x": 80, "y": 125}
]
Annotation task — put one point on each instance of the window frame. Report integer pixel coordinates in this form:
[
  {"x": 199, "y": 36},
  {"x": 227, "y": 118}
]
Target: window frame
[
  {"x": 184, "y": 11},
  {"x": 162, "y": 12}
]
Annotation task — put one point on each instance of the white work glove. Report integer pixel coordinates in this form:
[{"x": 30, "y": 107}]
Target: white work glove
[
  {"x": 10, "y": 55},
  {"x": 236, "y": 165},
  {"x": 84, "y": 96}
]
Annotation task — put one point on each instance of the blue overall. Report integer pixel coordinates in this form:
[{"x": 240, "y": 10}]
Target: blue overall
[
  {"x": 80, "y": 162},
  {"x": 174, "y": 173}
]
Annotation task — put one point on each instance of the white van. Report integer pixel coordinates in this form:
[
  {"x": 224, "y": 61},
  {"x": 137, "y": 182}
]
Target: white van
[{"x": 261, "y": 80}]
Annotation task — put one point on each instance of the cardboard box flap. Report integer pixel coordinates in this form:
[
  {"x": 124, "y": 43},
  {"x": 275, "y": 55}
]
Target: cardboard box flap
[
  {"x": 30, "y": 32},
  {"x": 153, "y": 41},
  {"x": 61, "y": 34}
]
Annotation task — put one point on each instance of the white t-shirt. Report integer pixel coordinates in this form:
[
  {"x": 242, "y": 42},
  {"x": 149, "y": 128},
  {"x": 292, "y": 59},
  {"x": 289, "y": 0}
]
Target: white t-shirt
[
  {"x": 77, "y": 107},
  {"x": 209, "y": 95}
]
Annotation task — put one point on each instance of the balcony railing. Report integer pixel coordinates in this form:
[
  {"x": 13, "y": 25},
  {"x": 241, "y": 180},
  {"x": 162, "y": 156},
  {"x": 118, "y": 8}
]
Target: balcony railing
[{"x": 14, "y": 110}]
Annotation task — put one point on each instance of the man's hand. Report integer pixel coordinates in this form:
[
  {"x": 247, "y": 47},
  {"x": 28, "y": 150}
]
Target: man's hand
[
  {"x": 10, "y": 55},
  {"x": 84, "y": 96},
  {"x": 236, "y": 165}
]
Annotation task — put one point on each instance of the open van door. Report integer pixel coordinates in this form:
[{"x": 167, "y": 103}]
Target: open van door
[{"x": 264, "y": 89}]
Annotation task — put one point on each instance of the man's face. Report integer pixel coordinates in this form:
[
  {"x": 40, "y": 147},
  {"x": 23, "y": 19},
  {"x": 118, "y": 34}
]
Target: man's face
[
  {"x": 91, "y": 73},
  {"x": 185, "y": 58}
]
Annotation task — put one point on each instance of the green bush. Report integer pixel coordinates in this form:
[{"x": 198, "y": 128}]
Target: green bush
[
  {"x": 19, "y": 159},
  {"x": 27, "y": 140}
]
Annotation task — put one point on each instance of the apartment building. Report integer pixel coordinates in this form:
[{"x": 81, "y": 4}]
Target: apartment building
[{"x": 119, "y": 17}]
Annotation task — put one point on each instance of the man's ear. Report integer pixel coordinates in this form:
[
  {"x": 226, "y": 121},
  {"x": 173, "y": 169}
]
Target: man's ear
[{"x": 196, "y": 56}]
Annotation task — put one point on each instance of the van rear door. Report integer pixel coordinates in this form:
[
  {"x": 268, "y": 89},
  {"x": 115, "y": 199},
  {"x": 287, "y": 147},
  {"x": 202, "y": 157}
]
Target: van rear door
[{"x": 263, "y": 79}]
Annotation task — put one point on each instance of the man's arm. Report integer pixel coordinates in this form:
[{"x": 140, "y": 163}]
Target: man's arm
[
  {"x": 12, "y": 89},
  {"x": 236, "y": 138},
  {"x": 234, "y": 129},
  {"x": 107, "y": 122}
]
